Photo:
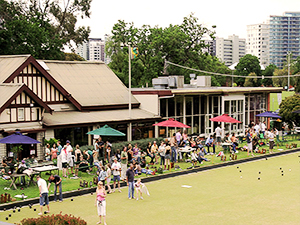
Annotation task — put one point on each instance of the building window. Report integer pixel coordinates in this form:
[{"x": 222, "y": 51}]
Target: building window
[{"x": 21, "y": 114}]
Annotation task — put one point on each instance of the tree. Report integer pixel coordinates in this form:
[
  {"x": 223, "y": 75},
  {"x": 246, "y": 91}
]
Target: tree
[
  {"x": 269, "y": 71},
  {"x": 41, "y": 27},
  {"x": 296, "y": 68},
  {"x": 249, "y": 81},
  {"x": 27, "y": 35},
  {"x": 287, "y": 107},
  {"x": 247, "y": 64},
  {"x": 180, "y": 44},
  {"x": 73, "y": 57},
  {"x": 280, "y": 81}
]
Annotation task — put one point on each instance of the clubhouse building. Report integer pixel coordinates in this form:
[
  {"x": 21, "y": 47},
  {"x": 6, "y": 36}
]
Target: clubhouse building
[{"x": 64, "y": 100}]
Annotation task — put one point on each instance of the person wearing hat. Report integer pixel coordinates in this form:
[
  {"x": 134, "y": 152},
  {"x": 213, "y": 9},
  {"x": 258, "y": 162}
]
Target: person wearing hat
[
  {"x": 20, "y": 170},
  {"x": 116, "y": 169},
  {"x": 70, "y": 156}
]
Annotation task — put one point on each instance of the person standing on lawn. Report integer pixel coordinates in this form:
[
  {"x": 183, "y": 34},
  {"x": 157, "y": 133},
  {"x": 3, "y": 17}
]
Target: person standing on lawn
[
  {"x": 218, "y": 132},
  {"x": 271, "y": 137},
  {"x": 57, "y": 184},
  {"x": 173, "y": 144},
  {"x": 116, "y": 168},
  {"x": 43, "y": 194},
  {"x": 100, "y": 202},
  {"x": 130, "y": 181},
  {"x": 249, "y": 142},
  {"x": 124, "y": 162},
  {"x": 64, "y": 160},
  {"x": 70, "y": 155},
  {"x": 59, "y": 149}
]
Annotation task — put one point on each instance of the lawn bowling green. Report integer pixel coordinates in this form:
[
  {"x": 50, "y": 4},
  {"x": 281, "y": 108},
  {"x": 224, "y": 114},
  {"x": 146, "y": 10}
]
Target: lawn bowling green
[{"x": 216, "y": 196}]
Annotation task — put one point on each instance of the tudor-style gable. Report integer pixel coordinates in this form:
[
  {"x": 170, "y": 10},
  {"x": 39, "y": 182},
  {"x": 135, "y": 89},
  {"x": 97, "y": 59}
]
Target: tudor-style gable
[
  {"x": 31, "y": 73},
  {"x": 20, "y": 104}
]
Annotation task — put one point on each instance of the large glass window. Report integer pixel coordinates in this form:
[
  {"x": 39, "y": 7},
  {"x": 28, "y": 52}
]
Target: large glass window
[
  {"x": 189, "y": 102},
  {"x": 171, "y": 107},
  {"x": 196, "y": 105},
  {"x": 163, "y": 107}
]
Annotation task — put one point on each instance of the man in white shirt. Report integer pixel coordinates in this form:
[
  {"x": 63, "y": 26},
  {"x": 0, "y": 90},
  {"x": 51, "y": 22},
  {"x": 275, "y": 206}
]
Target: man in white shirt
[
  {"x": 43, "y": 194},
  {"x": 116, "y": 169},
  {"x": 257, "y": 129},
  {"x": 70, "y": 156},
  {"x": 218, "y": 131}
]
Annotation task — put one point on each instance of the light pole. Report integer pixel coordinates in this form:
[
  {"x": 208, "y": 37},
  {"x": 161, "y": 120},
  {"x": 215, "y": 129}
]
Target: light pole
[
  {"x": 289, "y": 61},
  {"x": 129, "y": 92}
]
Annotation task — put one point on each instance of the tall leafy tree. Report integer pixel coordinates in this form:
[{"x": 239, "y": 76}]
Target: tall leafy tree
[
  {"x": 269, "y": 71},
  {"x": 287, "y": 106},
  {"x": 247, "y": 64},
  {"x": 41, "y": 27},
  {"x": 182, "y": 44}
]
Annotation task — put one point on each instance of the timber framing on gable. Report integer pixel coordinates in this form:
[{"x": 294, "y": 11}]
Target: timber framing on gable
[
  {"x": 55, "y": 93},
  {"x": 30, "y": 94}
]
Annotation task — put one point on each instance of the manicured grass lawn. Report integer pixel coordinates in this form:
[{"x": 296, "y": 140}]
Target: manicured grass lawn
[
  {"x": 73, "y": 184},
  {"x": 217, "y": 196}
]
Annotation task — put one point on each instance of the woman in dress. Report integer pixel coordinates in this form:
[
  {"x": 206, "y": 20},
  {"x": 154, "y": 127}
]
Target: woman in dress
[
  {"x": 100, "y": 202},
  {"x": 78, "y": 159},
  {"x": 54, "y": 151}
]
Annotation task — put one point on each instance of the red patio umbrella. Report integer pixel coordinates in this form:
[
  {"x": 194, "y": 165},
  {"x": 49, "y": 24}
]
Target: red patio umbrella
[
  {"x": 171, "y": 123},
  {"x": 224, "y": 118}
]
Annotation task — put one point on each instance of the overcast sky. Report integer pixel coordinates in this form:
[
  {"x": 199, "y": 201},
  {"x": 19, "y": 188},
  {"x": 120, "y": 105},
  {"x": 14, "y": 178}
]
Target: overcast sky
[{"x": 230, "y": 17}]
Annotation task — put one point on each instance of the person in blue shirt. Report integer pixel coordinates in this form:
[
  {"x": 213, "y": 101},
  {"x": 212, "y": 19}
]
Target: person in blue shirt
[{"x": 210, "y": 142}]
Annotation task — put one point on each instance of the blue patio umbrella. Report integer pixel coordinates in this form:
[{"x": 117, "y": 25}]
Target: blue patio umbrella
[
  {"x": 18, "y": 138},
  {"x": 269, "y": 114}
]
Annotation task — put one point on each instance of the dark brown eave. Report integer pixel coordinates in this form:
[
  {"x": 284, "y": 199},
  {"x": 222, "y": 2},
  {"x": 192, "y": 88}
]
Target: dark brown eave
[
  {"x": 31, "y": 94},
  {"x": 109, "y": 107},
  {"x": 32, "y": 60},
  {"x": 100, "y": 123},
  {"x": 160, "y": 93}
]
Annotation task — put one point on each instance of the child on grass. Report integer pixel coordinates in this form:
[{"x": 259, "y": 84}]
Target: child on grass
[{"x": 140, "y": 188}]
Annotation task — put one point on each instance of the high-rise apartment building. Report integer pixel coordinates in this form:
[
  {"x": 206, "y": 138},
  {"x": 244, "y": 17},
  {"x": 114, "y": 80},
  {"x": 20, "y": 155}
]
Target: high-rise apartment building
[
  {"x": 257, "y": 42},
  {"x": 83, "y": 50},
  {"x": 284, "y": 37},
  {"x": 96, "y": 49},
  {"x": 230, "y": 50},
  {"x": 93, "y": 50}
]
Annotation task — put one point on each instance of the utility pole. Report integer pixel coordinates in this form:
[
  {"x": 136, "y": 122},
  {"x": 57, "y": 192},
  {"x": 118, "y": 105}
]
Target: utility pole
[{"x": 289, "y": 62}]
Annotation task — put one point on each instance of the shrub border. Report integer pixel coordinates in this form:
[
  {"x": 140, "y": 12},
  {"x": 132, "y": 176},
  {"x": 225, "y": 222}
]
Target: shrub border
[{"x": 84, "y": 191}]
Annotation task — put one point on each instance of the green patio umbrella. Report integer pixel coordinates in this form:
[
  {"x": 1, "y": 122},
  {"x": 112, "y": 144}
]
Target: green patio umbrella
[{"x": 106, "y": 131}]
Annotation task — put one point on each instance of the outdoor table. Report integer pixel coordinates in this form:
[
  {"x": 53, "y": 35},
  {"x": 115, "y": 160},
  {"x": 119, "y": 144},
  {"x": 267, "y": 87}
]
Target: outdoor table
[
  {"x": 184, "y": 150},
  {"x": 14, "y": 177},
  {"x": 31, "y": 181},
  {"x": 45, "y": 168},
  {"x": 226, "y": 145}
]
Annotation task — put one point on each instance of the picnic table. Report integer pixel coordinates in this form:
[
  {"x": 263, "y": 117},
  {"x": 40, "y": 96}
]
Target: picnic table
[
  {"x": 226, "y": 145},
  {"x": 41, "y": 169},
  {"x": 16, "y": 176}
]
